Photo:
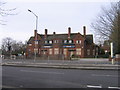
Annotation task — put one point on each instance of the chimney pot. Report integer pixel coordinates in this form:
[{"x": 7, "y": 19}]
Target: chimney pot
[
  {"x": 69, "y": 32},
  {"x": 84, "y": 30},
  {"x": 54, "y": 33},
  {"x": 46, "y": 33}
]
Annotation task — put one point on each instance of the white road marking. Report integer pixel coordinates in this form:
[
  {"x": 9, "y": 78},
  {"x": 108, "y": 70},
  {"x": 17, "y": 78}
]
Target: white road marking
[
  {"x": 91, "y": 86},
  {"x": 105, "y": 75},
  {"x": 41, "y": 72},
  {"x": 114, "y": 87}
]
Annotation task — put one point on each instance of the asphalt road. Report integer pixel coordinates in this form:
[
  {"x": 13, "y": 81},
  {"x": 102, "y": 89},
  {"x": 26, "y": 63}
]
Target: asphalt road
[{"x": 24, "y": 77}]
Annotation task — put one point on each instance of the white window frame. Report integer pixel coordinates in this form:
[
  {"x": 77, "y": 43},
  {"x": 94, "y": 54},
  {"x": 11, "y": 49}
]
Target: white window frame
[
  {"x": 70, "y": 41},
  {"x": 78, "y": 51},
  {"x": 65, "y": 52},
  {"x": 65, "y": 41},
  {"x": 50, "y": 51},
  {"x": 50, "y": 41},
  {"x": 44, "y": 52},
  {"x": 78, "y": 41},
  {"x": 56, "y": 51},
  {"x": 30, "y": 44},
  {"x": 56, "y": 41},
  {"x": 35, "y": 50},
  {"x": 36, "y": 42},
  {"x": 46, "y": 42}
]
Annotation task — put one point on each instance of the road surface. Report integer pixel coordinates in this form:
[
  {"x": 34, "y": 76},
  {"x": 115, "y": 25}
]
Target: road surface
[{"x": 28, "y": 77}]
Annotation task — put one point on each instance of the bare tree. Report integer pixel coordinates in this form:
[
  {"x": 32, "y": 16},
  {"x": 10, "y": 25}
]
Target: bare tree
[
  {"x": 7, "y": 43},
  {"x": 10, "y": 46},
  {"x": 18, "y": 47},
  {"x": 7, "y": 46},
  {"x": 5, "y": 12},
  {"x": 107, "y": 25}
]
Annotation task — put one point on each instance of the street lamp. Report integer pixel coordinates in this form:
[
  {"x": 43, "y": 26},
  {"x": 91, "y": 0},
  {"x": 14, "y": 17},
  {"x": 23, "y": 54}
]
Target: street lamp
[
  {"x": 35, "y": 49},
  {"x": 111, "y": 45},
  {"x": 36, "y": 18}
]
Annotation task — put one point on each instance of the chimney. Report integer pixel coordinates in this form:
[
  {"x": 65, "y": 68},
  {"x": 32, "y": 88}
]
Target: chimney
[
  {"x": 54, "y": 33},
  {"x": 84, "y": 31},
  {"x": 46, "y": 33},
  {"x": 35, "y": 34},
  {"x": 69, "y": 32}
]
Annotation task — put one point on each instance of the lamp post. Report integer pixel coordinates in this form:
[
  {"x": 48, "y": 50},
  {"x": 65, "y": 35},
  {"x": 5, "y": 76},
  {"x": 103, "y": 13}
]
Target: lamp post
[
  {"x": 35, "y": 49},
  {"x": 36, "y": 18},
  {"x": 112, "y": 52}
]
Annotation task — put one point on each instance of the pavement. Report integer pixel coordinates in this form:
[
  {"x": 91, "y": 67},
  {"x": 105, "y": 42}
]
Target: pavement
[{"x": 89, "y": 64}]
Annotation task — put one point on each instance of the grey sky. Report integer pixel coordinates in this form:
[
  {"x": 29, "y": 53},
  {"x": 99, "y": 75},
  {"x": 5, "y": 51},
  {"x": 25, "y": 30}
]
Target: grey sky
[{"x": 54, "y": 16}]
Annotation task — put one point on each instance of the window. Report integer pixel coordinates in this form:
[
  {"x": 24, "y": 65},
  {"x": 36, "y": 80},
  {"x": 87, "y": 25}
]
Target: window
[
  {"x": 29, "y": 50},
  {"x": 65, "y": 52},
  {"x": 30, "y": 44},
  {"x": 78, "y": 41},
  {"x": 50, "y": 42},
  {"x": 36, "y": 42},
  {"x": 39, "y": 51},
  {"x": 88, "y": 51},
  {"x": 78, "y": 51},
  {"x": 56, "y": 51},
  {"x": 56, "y": 41},
  {"x": 94, "y": 52},
  {"x": 46, "y": 42},
  {"x": 35, "y": 50},
  {"x": 65, "y": 41},
  {"x": 50, "y": 51},
  {"x": 44, "y": 52},
  {"x": 70, "y": 41}
]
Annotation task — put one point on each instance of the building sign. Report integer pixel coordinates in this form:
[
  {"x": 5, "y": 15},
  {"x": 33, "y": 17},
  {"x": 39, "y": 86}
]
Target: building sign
[
  {"x": 47, "y": 46},
  {"x": 69, "y": 46}
]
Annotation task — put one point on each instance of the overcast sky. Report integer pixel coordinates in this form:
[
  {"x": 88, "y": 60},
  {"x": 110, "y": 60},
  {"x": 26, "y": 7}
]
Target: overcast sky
[{"x": 54, "y": 15}]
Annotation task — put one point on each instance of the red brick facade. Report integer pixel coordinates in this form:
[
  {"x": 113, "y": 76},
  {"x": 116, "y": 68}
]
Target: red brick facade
[{"x": 61, "y": 46}]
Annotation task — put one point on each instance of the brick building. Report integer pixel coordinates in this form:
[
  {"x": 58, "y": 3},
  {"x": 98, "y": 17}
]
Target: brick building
[{"x": 61, "y": 46}]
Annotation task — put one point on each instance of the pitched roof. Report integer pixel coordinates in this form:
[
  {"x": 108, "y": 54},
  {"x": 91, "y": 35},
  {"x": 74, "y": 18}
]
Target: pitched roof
[
  {"x": 89, "y": 38},
  {"x": 60, "y": 36},
  {"x": 30, "y": 40}
]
